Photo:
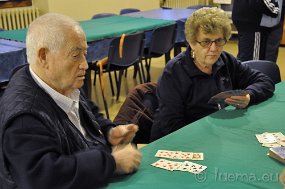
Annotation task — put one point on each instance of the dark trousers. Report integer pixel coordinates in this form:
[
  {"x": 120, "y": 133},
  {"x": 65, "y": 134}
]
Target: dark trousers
[
  {"x": 252, "y": 45},
  {"x": 273, "y": 42}
]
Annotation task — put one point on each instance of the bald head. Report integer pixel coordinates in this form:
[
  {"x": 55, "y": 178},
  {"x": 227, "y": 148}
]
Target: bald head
[{"x": 49, "y": 31}]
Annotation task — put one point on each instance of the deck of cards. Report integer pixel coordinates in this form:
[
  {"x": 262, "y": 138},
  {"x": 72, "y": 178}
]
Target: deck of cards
[
  {"x": 220, "y": 97},
  {"x": 185, "y": 166},
  {"x": 277, "y": 153},
  {"x": 271, "y": 140}
]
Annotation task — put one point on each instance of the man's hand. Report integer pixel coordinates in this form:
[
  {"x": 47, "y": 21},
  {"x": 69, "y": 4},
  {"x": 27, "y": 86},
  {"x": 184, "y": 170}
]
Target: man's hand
[
  {"x": 122, "y": 134},
  {"x": 127, "y": 158},
  {"x": 238, "y": 101}
]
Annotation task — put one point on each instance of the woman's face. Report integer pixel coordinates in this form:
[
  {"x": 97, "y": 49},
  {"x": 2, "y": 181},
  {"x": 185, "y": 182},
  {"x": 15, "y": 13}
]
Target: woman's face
[{"x": 208, "y": 48}]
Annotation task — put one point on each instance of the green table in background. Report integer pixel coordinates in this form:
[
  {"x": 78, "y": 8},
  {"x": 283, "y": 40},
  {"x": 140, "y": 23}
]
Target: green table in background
[
  {"x": 102, "y": 28},
  {"x": 99, "y": 33},
  {"x": 235, "y": 159}
]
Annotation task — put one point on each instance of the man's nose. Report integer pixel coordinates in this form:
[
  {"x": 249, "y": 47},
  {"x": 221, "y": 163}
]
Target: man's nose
[{"x": 83, "y": 65}]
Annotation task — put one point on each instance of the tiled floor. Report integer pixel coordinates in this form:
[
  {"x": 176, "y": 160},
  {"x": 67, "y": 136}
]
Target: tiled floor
[{"x": 156, "y": 68}]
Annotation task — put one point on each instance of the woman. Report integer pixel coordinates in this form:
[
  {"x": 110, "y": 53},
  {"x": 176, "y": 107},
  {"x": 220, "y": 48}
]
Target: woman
[{"x": 202, "y": 71}]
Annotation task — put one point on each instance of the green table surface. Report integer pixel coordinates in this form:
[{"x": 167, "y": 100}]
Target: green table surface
[
  {"x": 102, "y": 28},
  {"x": 235, "y": 159}
]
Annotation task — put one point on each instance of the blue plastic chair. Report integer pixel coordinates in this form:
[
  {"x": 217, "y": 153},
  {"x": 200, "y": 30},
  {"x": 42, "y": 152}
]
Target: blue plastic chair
[
  {"x": 198, "y": 6},
  {"x": 121, "y": 56},
  {"x": 267, "y": 67},
  {"x": 129, "y": 10},
  {"x": 162, "y": 41},
  {"x": 102, "y": 15}
]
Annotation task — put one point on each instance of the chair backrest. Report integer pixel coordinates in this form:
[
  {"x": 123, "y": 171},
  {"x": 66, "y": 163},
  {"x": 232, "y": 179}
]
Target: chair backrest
[
  {"x": 102, "y": 15},
  {"x": 132, "y": 48},
  {"x": 267, "y": 67},
  {"x": 198, "y": 6},
  {"x": 138, "y": 108},
  {"x": 180, "y": 34},
  {"x": 128, "y": 10},
  {"x": 163, "y": 39}
]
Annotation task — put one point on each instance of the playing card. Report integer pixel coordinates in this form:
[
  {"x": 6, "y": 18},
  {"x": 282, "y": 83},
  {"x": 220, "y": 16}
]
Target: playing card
[
  {"x": 163, "y": 154},
  {"x": 198, "y": 156},
  {"x": 185, "y": 166},
  {"x": 281, "y": 142},
  {"x": 272, "y": 145},
  {"x": 278, "y": 136},
  {"x": 186, "y": 155},
  {"x": 196, "y": 168},
  {"x": 168, "y": 154},
  {"x": 164, "y": 164},
  {"x": 266, "y": 138},
  {"x": 220, "y": 97}
]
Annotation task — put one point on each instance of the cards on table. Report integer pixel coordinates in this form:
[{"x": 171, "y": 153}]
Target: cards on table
[
  {"x": 220, "y": 97},
  {"x": 185, "y": 166},
  {"x": 277, "y": 153},
  {"x": 179, "y": 155},
  {"x": 271, "y": 140}
]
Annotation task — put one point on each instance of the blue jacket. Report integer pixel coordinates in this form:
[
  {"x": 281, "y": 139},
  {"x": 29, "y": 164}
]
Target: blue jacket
[
  {"x": 247, "y": 14},
  {"x": 41, "y": 148},
  {"x": 184, "y": 91}
]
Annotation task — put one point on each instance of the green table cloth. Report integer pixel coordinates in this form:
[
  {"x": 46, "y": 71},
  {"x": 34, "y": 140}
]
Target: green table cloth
[
  {"x": 234, "y": 157},
  {"x": 102, "y": 28}
]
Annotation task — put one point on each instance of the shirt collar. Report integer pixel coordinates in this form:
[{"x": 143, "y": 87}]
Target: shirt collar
[{"x": 67, "y": 104}]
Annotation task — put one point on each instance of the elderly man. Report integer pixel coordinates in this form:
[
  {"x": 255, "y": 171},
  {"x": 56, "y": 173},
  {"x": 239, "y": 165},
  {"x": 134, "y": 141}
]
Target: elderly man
[{"x": 51, "y": 136}]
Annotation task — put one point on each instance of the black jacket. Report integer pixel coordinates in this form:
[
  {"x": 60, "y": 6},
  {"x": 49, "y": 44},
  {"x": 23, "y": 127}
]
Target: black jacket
[
  {"x": 41, "y": 148},
  {"x": 247, "y": 14},
  {"x": 184, "y": 91}
]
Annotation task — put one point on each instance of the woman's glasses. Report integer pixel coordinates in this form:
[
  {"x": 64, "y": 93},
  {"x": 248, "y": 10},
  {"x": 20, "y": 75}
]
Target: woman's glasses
[{"x": 218, "y": 42}]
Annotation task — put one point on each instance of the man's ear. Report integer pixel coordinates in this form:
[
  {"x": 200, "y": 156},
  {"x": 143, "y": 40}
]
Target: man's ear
[{"x": 42, "y": 57}]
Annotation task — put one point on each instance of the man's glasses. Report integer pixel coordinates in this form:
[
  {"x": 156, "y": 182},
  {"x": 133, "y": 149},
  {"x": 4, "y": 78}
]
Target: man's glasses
[{"x": 218, "y": 42}]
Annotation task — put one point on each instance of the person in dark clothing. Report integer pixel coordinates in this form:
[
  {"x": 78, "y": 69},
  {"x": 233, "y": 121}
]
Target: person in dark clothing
[
  {"x": 252, "y": 35},
  {"x": 202, "y": 71},
  {"x": 274, "y": 38},
  {"x": 51, "y": 135}
]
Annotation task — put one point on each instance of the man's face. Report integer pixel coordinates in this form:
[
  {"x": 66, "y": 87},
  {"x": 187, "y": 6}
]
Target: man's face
[{"x": 67, "y": 67}]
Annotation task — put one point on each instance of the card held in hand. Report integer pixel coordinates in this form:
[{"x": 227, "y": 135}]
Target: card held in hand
[{"x": 220, "y": 97}]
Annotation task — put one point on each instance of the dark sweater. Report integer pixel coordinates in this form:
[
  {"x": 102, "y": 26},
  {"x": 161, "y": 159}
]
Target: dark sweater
[
  {"x": 184, "y": 91},
  {"x": 41, "y": 148},
  {"x": 247, "y": 14}
]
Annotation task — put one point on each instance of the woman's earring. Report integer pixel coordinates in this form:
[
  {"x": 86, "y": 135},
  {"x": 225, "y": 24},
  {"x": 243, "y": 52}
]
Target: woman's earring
[{"x": 192, "y": 54}]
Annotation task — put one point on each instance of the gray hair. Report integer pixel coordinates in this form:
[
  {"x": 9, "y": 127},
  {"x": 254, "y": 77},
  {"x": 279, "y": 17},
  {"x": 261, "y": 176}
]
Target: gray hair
[
  {"x": 208, "y": 20},
  {"x": 48, "y": 31}
]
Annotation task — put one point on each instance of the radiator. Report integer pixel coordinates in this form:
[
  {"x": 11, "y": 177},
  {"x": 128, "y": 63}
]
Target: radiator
[
  {"x": 17, "y": 18},
  {"x": 182, "y": 3}
]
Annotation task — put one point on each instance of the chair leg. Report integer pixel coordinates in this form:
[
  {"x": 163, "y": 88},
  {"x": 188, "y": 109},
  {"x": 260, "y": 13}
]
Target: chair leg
[
  {"x": 135, "y": 72},
  {"x": 104, "y": 99},
  {"x": 111, "y": 83},
  {"x": 147, "y": 66},
  {"x": 142, "y": 69},
  {"x": 137, "y": 67},
  {"x": 116, "y": 78},
  {"x": 95, "y": 74},
  {"x": 121, "y": 72},
  {"x": 177, "y": 49},
  {"x": 167, "y": 56},
  {"x": 126, "y": 72}
]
